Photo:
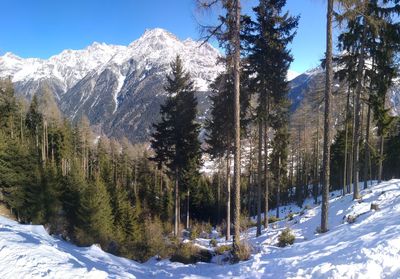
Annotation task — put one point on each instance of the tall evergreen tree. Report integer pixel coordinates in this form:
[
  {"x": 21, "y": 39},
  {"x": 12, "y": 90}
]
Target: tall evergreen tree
[
  {"x": 8, "y": 109},
  {"x": 95, "y": 219},
  {"x": 384, "y": 69},
  {"x": 364, "y": 21},
  {"x": 176, "y": 137},
  {"x": 327, "y": 123},
  {"x": 220, "y": 128},
  {"x": 268, "y": 63}
]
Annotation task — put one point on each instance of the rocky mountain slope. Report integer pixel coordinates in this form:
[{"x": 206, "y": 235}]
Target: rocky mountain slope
[{"x": 119, "y": 88}]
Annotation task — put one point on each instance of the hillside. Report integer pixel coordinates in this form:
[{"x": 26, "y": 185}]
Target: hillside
[{"x": 367, "y": 248}]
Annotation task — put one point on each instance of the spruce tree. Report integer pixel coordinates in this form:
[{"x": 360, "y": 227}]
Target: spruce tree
[
  {"x": 175, "y": 140},
  {"x": 8, "y": 109},
  {"x": 268, "y": 63},
  {"x": 95, "y": 219},
  {"x": 327, "y": 123}
]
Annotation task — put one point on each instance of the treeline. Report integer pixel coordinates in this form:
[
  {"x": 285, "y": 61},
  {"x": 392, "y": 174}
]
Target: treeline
[{"x": 86, "y": 188}]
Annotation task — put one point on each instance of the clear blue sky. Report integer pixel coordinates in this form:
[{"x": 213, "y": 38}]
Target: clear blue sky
[{"x": 41, "y": 28}]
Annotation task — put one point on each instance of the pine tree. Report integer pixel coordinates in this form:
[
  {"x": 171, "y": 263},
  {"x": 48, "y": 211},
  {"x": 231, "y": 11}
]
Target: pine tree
[
  {"x": 175, "y": 140},
  {"x": 384, "y": 69},
  {"x": 8, "y": 109},
  {"x": 95, "y": 220},
  {"x": 269, "y": 60},
  {"x": 364, "y": 20},
  {"x": 34, "y": 122},
  {"x": 220, "y": 128},
  {"x": 72, "y": 193},
  {"x": 327, "y": 125},
  {"x": 19, "y": 173}
]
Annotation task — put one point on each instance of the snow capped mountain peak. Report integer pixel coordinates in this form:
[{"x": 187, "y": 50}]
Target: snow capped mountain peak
[
  {"x": 114, "y": 83},
  {"x": 157, "y": 34},
  {"x": 12, "y": 56},
  {"x": 155, "y": 47}
]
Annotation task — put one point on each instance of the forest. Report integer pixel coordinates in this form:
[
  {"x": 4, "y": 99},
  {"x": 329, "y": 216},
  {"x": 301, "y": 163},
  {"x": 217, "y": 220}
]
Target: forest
[{"x": 139, "y": 200}]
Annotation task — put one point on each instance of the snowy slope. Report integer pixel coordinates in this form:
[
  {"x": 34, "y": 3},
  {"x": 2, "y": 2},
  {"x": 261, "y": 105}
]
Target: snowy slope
[{"x": 367, "y": 248}]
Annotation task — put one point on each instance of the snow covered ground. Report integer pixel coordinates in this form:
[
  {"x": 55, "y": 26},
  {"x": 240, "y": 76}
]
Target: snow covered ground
[{"x": 367, "y": 248}]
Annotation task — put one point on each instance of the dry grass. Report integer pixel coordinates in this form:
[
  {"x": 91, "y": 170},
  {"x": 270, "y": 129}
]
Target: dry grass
[{"x": 5, "y": 211}]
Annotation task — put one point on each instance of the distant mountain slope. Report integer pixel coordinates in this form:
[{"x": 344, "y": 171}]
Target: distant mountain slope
[{"x": 119, "y": 88}]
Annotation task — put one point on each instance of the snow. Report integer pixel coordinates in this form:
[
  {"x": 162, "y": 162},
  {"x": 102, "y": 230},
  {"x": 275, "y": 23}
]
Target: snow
[
  {"x": 367, "y": 248},
  {"x": 156, "y": 48},
  {"x": 292, "y": 75},
  {"x": 121, "y": 80}
]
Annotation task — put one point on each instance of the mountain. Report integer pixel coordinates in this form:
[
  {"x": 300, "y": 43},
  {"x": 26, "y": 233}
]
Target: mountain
[
  {"x": 119, "y": 88},
  {"x": 303, "y": 85}
]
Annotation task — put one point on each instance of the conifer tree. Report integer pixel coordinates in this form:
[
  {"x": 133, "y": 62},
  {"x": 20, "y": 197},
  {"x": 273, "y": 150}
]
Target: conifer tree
[
  {"x": 327, "y": 125},
  {"x": 72, "y": 193},
  {"x": 175, "y": 140},
  {"x": 268, "y": 62},
  {"x": 95, "y": 219},
  {"x": 220, "y": 131},
  {"x": 364, "y": 22},
  {"x": 8, "y": 109},
  {"x": 19, "y": 173},
  {"x": 384, "y": 69}
]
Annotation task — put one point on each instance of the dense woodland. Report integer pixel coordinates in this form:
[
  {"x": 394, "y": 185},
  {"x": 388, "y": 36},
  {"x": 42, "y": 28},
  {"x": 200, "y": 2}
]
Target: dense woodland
[{"x": 141, "y": 200}]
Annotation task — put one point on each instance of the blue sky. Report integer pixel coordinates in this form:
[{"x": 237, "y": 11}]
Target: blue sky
[{"x": 41, "y": 28}]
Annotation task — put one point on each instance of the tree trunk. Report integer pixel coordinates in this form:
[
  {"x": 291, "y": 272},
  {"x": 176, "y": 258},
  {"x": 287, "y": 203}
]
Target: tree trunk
[
  {"x": 351, "y": 159},
  {"x": 250, "y": 178},
  {"x": 345, "y": 142},
  {"x": 278, "y": 188},
  {"x": 357, "y": 135},
  {"x": 236, "y": 70},
  {"x": 135, "y": 179},
  {"x": 228, "y": 198},
  {"x": 266, "y": 182},
  {"x": 327, "y": 124},
  {"x": 187, "y": 210},
  {"x": 219, "y": 193},
  {"x": 259, "y": 175},
  {"x": 317, "y": 178},
  {"x": 22, "y": 128},
  {"x": 366, "y": 146},
  {"x": 176, "y": 204},
  {"x": 380, "y": 167}
]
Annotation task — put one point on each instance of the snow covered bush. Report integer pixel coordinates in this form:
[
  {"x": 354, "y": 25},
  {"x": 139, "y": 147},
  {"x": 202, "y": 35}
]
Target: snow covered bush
[
  {"x": 153, "y": 242},
  {"x": 286, "y": 238},
  {"x": 202, "y": 230},
  {"x": 242, "y": 252},
  {"x": 222, "y": 249},
  {"x": 188, "y": 253},
  {"x": 213, "y": 242},
  {"x": 273, "y": 219}
]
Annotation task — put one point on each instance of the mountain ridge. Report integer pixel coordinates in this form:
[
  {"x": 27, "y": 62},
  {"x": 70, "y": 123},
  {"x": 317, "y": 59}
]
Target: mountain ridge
[{"x": 118, "y": 87}]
